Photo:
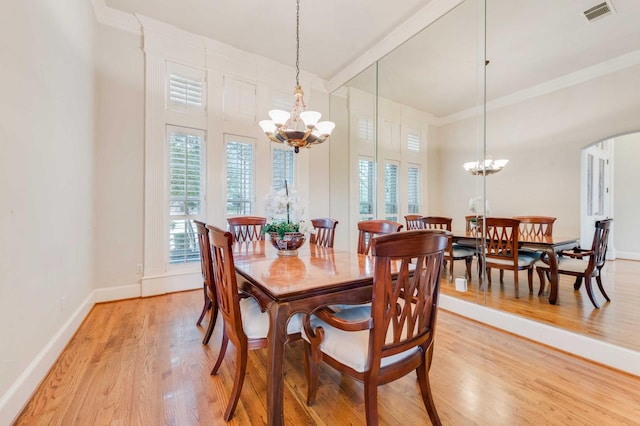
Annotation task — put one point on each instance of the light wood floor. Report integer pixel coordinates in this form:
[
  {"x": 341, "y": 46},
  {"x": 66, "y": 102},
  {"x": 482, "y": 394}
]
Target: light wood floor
[
  {"x": 141, "y": 362},
  {"x": 615, "y": 322}
]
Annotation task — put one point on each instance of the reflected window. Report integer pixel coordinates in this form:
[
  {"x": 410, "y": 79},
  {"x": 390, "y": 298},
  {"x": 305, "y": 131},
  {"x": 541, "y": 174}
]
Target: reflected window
[
  {"x": 366, "y": 181},
  {"x": 391, "y": 191},
  {"x": 413, "y": 189}
]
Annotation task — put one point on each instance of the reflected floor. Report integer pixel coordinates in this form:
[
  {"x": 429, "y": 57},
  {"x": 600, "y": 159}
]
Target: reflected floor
[{"x": 615, "y": 322}]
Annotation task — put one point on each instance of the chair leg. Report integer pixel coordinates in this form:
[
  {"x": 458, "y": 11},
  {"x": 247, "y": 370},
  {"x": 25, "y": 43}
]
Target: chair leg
[
  {"x": 599, "y": 281},
  {"x": 206, "y": 307},
  {"x": 587, "y": 284},
  {"x": 515, "y": 282},
  {"x": 542, "y": 281},
  {"x": 241, "y": 369},
  {"x": 451, "y": 270},
  {"x": 530, "y": 278},
  {"x": 371, "y": 402},
  {"x": 501, "y": 276},
  {"x": 578, "y": 283},
  {"x": 489, "y": 275},
  {"x": 467, "y": 262},
  {"x": 311, "y": 371},
  {"x": 212, "y": 323},
  {"x": 223, "y": 350},
  {"x": 427, "y": 397}
]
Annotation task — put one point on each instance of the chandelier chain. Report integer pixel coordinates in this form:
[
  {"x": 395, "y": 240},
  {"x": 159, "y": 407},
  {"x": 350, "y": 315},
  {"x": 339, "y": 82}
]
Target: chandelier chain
[{"x": 298, "y": 43}]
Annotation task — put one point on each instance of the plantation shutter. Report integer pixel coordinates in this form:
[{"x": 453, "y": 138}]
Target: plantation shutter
[
  {"x": 240, "y": 175},
  {"x": 391, "y": 191}
]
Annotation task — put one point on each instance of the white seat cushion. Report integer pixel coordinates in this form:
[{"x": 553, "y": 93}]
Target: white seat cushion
[
  {"x": 567, "y": 264},
  {"x": 461, "y": 252},
  {"x": 351, "y": 347},
  {"x": 256, "y": 323},
  {"x": 523, "y": 260}
]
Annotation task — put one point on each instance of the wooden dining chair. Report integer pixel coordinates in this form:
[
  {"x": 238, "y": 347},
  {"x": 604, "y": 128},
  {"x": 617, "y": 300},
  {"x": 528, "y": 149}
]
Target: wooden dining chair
[
  {"x": 367, "y": 229},
  {"x": 325, "y": 229},
  {"x": 206, "y": 265},
  {"x": 453, "y": 252},
  {"x": 413, "y": 221},
  {"x": 397, "y": 336},
  {"x": 246, "y": 228},
  {"x": 535, "y": 226},
  {"x": 572, "y": 262},
  {"x": 501, "y": 250},
  {"x": 246, "y": 323}
]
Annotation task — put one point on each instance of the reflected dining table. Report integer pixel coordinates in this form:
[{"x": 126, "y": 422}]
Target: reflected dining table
[
  {"x": 551, "y": 245},
  {"x": 317, "y": 276}
]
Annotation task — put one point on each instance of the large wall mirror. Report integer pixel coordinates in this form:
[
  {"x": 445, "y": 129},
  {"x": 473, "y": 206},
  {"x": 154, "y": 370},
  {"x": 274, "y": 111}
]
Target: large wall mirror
[{"x": 538, "y": 101}]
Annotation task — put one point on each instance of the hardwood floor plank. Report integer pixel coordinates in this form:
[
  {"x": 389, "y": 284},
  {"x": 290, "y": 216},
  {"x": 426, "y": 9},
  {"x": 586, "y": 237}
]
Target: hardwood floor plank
[{"x": 141, "y": 362}]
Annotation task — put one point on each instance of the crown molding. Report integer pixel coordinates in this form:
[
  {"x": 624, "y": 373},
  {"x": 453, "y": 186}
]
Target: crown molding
[
  {"x": 590, "y": 73},
  {"x": 115, "y": 18},
  {"x": 422, "y": 19}
]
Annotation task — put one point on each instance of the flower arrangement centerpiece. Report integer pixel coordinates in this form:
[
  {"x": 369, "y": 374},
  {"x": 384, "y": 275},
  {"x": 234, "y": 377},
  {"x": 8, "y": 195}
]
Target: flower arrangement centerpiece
[
  {"x": 478, "y": 208},
  {"x": 285, "y": 226}
]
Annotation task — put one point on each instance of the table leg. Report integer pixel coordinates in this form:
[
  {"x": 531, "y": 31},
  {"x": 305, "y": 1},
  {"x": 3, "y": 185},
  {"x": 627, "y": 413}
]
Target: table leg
[
  {"x": 278, "y": 315},
  {"x": 553, "y": 276}
]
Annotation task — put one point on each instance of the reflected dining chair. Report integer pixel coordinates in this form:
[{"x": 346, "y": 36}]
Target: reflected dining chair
[
  {"x": 397, "y": 336},
  {"x": 413, "y": 221},
  {"x": 246, "y": 228},
  {"x": 210, "y": 303},
  {"x": 325, "y": 229},
  {"x": 453, "y": 252},
  {"x": 572, "y": 262},
  {"x": 533, "y": 227},
  {"x": 245, "y": 322},
  {"x": 367, "y": 229},
  {"x": 501, "y": 250}
]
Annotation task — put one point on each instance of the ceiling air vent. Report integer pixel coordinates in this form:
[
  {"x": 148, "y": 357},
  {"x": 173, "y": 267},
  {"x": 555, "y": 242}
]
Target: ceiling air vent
[{"x": 598, "y": 11}]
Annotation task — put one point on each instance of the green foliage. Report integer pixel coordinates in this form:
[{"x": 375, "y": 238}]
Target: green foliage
[{"x": 280, "y": 228}]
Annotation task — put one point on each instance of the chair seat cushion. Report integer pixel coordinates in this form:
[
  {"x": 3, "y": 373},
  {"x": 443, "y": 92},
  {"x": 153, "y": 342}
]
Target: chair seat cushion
[
  {"x": 537, "y": 254},
  {"x": 523, "y": 260},
  {"x": 567, "y": 264},
  {"x": 351, "y": 347},
  {"x": 460, "y": 252},
  {"x": 256, "y": 323}
]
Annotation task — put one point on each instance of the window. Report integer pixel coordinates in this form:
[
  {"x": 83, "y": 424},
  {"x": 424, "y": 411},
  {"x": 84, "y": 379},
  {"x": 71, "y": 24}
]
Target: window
[
  {"x": 240, "y": 175},
  {"x": 391, "y": 191},
  {"x": 413, "y": 142},
  {"x": 365, "y": 129},
  {"x": 185, "y": 88},
  {"x": 186, "y": 192},
  {"x": 283, "y": 168},
  {"x": 366, "y": 179},
  {"x": 413, "y": 189}
]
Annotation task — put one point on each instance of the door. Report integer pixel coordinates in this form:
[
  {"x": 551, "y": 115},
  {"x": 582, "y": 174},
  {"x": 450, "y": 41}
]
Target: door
[{"x": 595, "y": 193}]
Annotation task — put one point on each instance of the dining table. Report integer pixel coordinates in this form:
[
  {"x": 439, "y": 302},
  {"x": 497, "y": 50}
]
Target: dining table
[
  {"x": 285, "y": 285},
  {"x": 551, "y": 245}
]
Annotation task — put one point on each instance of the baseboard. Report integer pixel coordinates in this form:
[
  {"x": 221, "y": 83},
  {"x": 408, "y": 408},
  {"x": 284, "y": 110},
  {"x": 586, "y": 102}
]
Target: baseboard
[
  {"x": 595, "y": 350},
  {"x": 16, "y": 397},
  {"x": 628, "y": 255},
  {"x": 153, "y": 286},
  {"x": 110, "y": 294}
]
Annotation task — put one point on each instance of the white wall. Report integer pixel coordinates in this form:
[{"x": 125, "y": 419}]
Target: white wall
[
  {"x": 47, "y": 178},
  {"x": 118, "y": 189},
  {"x": 626, "y": 209},
  {"x": 542, "y": 138}
]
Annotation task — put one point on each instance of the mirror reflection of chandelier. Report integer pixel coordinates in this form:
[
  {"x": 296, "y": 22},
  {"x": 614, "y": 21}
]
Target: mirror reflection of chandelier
[
  {"x": 286, "y": 127},
  {"x": 486, "y": 167}
]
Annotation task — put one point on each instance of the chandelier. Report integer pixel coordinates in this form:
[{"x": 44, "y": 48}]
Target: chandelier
[
  {"x": 486, "y": 167},
  {"x": 300, "y": 128}
]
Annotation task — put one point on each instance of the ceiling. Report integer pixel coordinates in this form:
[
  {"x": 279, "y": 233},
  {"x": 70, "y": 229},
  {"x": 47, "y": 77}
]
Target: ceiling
[{"x": 529, "y": 42}]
